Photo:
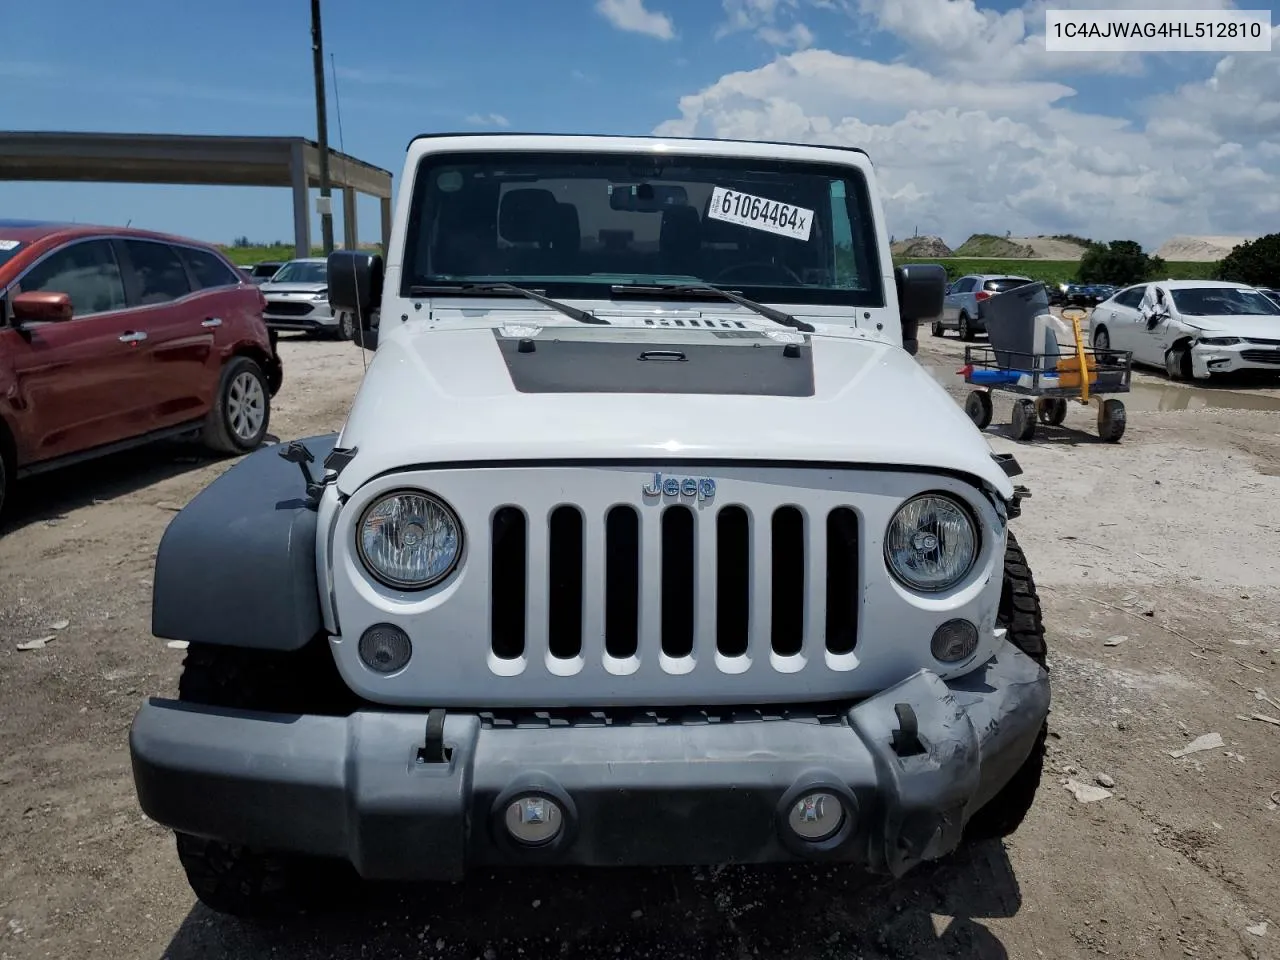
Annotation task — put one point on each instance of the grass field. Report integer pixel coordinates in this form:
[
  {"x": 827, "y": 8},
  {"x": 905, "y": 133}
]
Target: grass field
[{"x": 1053, "y": 271}]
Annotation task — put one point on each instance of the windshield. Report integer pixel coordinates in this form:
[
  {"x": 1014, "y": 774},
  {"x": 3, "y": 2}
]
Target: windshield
[
  {"x": 265, "y": 269},
  {"x": 302, "y": 271},
  {"x": 574, "y": 225},
  {"x": 1223, "y": 302},
  {"x": 1005, "y": 283}
]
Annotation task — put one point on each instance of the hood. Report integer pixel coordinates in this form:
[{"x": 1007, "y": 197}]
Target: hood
[
  {"x": 269, "y": 288},
  {"x": 556, "y": 393},
  {"x": 1236, "y": 325}
]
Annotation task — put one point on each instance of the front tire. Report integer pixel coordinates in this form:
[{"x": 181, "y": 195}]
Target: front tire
[
  {"x": 1020, "y": 614},
  {"x": 1177, "y": 364},
  {"x": 228, "y": 877},
  {"x": 936, "y": 328},
  {"x": 241, "y": 412},
  {"x": 966, "y": 330},
  {"x": 346, "y": 328}
]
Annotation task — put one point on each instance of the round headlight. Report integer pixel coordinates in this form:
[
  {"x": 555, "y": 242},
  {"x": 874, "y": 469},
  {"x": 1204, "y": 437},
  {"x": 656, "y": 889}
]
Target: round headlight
[
  {"x": 409, "y": 540},
  {"x": 931, "y": 543}
]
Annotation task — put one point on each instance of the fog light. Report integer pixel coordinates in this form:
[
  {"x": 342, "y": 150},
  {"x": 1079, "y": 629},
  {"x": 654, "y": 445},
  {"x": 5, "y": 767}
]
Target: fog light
[
  {"x": 385, "y": 648},
  {"x": 954, "y": 640},
  {"x": 816, "y": 816},
  {"x": 534, "y": 820}
]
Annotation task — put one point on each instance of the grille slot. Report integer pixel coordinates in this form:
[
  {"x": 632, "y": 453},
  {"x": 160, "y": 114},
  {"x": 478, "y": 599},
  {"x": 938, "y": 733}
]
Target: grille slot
[
  {"x": 787, "y": 628},
  {"x": 508, "y": 573},
  {"x": 733, "y": 581},
  {"x": 564, "y": 584},
  {"x": 1261, "y": 356},
  {"x": 677, "y": 581},
  {"x": 842, "y": 581},
  {"x": 622, "y": 582}
]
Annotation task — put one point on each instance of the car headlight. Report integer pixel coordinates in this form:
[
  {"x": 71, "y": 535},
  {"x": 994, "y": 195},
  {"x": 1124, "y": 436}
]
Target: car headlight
[
  {"x": 1219, "y": 341},
  {"x": 409, "y": 540},
  {"x": 322, "y": 295},
  {"x": 931, "y": 543}
]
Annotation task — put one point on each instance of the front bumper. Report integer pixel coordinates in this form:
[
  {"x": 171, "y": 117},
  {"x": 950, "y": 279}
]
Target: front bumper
[
  {"x": 320, "y": 317},
  {"x": 1206, "y": 359},
  {"x": 693, "y": 791}
]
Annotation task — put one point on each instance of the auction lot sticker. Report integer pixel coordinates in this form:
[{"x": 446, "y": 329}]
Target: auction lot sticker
[{"x": 760, "y": 213}]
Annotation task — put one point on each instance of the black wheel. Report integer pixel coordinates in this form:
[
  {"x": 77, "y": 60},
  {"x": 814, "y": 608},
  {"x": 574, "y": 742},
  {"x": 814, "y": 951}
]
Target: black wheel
[
  {"x": 1052, "y": 410},
  {"x": 346, "y": 328},
  {"x": 1020, "y": 614},
  {"x": 1111, "y": 420},
  {"x": 1101, "y": 340},
  {"x": 1024, "y": 419},
  {"x": 1177, "y": 364},
  {"x": 237, "y": 422},
  {"x": 936, "y": 329},
  {"x": 966, "y": 331},
  {"x": 228, "y": 877},
  {"x": 978, "y": 406}
]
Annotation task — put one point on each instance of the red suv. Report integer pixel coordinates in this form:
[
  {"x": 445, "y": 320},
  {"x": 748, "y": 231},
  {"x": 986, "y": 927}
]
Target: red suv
[{"x": 112, "y": 337}]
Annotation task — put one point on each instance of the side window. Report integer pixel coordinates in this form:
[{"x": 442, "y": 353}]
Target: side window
[
  {"x": 964, "y": 284},
  {"x": 208, "y": 270},
  {"x": 846, "y": 263},
  {"x": 86, "y": 272},
  {"x": 161, "y": 276},
  {"x": 1131, "y": 298}
]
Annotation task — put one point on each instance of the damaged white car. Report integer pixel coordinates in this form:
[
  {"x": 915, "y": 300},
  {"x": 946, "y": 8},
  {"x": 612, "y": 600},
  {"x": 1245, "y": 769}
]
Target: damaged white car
[{"x": 1192, "y": 329}]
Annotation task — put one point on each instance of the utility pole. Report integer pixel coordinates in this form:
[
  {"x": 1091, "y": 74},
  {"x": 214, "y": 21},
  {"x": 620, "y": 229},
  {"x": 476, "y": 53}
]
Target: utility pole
[{"x": 322, "y": 131}]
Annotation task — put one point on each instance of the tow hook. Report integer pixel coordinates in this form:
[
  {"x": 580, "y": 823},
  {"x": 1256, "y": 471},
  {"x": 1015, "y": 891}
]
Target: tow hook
[
  {"x": 906, "y": 739},
  {"x": 433, "y": 749}
]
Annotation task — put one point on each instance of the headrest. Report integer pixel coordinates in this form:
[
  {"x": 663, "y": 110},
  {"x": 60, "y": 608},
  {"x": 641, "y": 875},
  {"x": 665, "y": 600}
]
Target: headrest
[
  {"x": 527, "y": 216},
  {"x": 568, "y": 229}
]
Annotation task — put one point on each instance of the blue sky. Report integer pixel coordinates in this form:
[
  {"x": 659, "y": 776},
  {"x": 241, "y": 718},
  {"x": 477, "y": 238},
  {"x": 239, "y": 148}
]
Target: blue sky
[{"x": 964, "y": 113}]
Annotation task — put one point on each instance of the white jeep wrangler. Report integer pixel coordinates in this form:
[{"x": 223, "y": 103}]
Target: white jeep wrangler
[{"x": 646, "y": 541}]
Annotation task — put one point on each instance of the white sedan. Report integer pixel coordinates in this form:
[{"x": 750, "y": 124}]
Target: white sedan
[{"x": 1191, "y": 328}]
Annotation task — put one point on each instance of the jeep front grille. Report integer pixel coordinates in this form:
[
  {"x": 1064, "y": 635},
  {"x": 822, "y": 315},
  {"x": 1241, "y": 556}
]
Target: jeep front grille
[{"x": 722, "y": 581}]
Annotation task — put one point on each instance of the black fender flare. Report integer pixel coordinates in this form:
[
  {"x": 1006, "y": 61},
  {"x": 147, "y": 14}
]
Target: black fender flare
[{"x": 237, "y": 565}]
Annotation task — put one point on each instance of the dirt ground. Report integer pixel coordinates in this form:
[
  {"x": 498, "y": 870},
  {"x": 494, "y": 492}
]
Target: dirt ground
[{"x": 1168, "y": 540}]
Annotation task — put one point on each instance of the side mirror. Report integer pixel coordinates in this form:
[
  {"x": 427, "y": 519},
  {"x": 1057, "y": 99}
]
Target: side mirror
[
  {"x": 921, "y": 289},
  {"x": 39, "y": 306},
  {"x": 355, "y": 285}
]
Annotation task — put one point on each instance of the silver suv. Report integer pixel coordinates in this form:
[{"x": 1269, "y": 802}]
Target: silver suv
[{"x": 962, "y": 305}]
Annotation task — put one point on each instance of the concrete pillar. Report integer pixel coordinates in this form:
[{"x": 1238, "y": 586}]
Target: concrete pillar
[
  {"x": 350, "y": 235},
  {"x": 386, "y": 224},
  {"x": 301, "y": 195}
]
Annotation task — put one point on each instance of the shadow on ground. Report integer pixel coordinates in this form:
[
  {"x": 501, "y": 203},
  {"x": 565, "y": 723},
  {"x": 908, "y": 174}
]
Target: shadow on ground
[
  {"x": 734, "y": 912},
  {"x": 49, "y": 497}
]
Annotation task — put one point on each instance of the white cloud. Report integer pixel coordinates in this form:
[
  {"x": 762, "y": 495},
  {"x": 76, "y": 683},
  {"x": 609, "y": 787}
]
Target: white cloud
[
  {"x": 764, "y": 18},
  {"x": 488, "y": 120},
  {"x": 960, "y": 153},
  {"x": 632, "y": 16}
]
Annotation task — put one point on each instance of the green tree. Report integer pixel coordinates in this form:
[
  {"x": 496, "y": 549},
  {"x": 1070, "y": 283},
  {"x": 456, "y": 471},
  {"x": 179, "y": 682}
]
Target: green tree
[
  {"x": 1121, "y": 263},
  {"x": 1255, "y": 262}
]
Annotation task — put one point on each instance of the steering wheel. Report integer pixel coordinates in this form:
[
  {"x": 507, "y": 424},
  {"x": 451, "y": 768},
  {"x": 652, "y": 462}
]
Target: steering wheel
[{"x": 778, "y": 268}]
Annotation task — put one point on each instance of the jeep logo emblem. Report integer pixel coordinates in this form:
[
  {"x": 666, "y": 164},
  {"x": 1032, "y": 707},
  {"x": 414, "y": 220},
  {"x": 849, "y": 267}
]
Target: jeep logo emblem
[{"x": 703, "y": 488}]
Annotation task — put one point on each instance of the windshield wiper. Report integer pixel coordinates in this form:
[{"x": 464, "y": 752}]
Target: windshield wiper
[
  {"x": 472, "y": 289},
  {"x": 707, "y": 290}
]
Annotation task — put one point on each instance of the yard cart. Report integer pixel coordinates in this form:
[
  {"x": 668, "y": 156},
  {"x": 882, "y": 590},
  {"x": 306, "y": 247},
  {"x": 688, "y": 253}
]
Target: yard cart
[{"x": 1023, "y": 356}]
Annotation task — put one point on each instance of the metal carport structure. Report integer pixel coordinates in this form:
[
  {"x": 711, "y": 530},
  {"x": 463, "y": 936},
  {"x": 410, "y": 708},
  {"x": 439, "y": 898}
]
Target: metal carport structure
[{"x": 292, "y": 162}]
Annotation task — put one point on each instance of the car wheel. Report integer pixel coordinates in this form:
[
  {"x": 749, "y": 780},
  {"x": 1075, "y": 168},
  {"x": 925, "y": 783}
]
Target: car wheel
[
  {"x": 1020, "y": 614},
  {"x": 966, "y": 332},
  {"x": 346, "y": 325},
  {"x": 235, "y": 879},
  {"x": 936, "y": 329},
  {"x": 241, "y": 412},
  {"x": 1101, "y": 340},
  {"x": 1177, "y": 364}
]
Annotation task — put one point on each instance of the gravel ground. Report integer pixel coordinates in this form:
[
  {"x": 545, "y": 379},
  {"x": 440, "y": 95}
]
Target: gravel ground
[{"x": 1167, "y": 540}]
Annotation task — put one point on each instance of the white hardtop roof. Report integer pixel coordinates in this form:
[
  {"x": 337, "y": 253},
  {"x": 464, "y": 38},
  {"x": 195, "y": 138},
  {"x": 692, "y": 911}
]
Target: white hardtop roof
[{"x": 1196, "y": 284}]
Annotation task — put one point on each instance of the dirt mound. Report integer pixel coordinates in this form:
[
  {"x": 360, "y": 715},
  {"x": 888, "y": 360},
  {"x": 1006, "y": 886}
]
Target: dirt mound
[
  {"x": 991, "y": 247},
  {"x": 1052, "y": 248},
  {"x": 921, "y": 247},
  {"x": 1199, "y": 249}
]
